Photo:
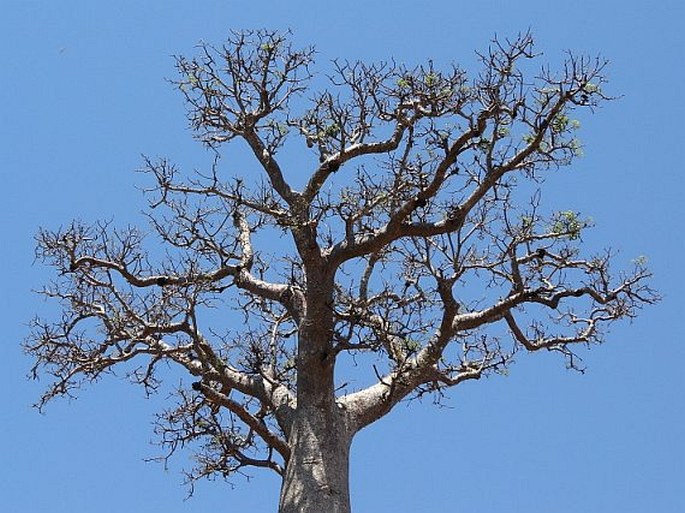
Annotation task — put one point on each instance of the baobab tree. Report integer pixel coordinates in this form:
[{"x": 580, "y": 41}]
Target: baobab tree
[{"x": 391, "y": 242}]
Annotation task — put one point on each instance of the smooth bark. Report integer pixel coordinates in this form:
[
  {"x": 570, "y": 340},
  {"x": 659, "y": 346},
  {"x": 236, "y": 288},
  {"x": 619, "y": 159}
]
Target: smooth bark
[{"x": 317, "y": 475}]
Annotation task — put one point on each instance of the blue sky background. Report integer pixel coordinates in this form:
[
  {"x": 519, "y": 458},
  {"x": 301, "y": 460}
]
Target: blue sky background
[{"x": 82, "y": 95}]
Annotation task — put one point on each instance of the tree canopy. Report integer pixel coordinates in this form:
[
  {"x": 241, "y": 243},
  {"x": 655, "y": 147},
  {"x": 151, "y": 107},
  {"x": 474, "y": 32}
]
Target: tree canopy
[{"x": 407, "y": 251}]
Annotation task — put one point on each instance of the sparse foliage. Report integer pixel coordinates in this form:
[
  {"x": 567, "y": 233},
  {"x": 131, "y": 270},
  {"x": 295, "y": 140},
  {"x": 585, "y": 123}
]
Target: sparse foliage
[{"x": 417, "y": 244}]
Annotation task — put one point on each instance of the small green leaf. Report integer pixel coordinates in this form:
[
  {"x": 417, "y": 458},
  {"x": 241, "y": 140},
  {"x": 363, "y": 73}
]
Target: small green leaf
[
  {"x": 332, "y": 130},
  {"x": 640, "y": 261},
  {"x": 526, "y": 222},
  {"x": 591, "y": 88},
  {"x": 483, "y": 144},
  {"x": 411, "y": 345},
  {"x": 430, "y": 79},
  {"x": 576, "y": 147}
]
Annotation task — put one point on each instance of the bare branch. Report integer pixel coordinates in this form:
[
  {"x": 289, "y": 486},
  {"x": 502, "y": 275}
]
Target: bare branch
[{"x": 270, "y": 438}]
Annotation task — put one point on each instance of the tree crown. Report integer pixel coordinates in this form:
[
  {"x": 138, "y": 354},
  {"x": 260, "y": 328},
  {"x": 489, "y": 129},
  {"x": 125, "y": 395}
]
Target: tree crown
[{"x": 417, "y": 237}]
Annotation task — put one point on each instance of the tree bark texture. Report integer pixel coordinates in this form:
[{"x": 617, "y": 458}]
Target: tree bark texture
[{"x": 317, "y": 475}]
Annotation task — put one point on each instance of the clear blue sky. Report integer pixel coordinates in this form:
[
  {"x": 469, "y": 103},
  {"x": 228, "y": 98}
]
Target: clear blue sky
[{"x": 82, "y": 95}]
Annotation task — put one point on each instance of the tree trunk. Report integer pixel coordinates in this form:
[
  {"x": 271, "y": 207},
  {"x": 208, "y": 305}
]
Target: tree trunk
[
  {"x": 317, "y": 475},
  {"x": 317, "y": 472}
]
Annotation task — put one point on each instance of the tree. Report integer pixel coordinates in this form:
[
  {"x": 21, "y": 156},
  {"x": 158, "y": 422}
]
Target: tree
[{"x": 413, "y": 253}]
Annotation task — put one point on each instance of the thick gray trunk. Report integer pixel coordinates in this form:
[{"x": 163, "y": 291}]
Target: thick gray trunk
[
  {"x": 317, "y": 475},
  {"x": 317, "y": 471}
]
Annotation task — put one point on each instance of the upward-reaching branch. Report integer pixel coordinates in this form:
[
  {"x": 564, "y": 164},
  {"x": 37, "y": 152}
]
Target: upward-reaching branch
[{"x": 240, "y": 90}]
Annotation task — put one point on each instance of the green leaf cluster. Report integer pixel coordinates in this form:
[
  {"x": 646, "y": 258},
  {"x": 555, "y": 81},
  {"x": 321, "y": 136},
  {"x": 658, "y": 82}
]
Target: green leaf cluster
[
  {"x": 591, "y": 88},
  {"x": 576, "y": 147},
  {"x": 567, "y": 223},
  {"x": 403, "y": 83},
  {"x": 329, "y": 131},
  {"x": 562, "y": 122},
  {"x": 411, "y": 345},
  {"x": 431, "y": 79},
  {"x": 503, "y": 131}
]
